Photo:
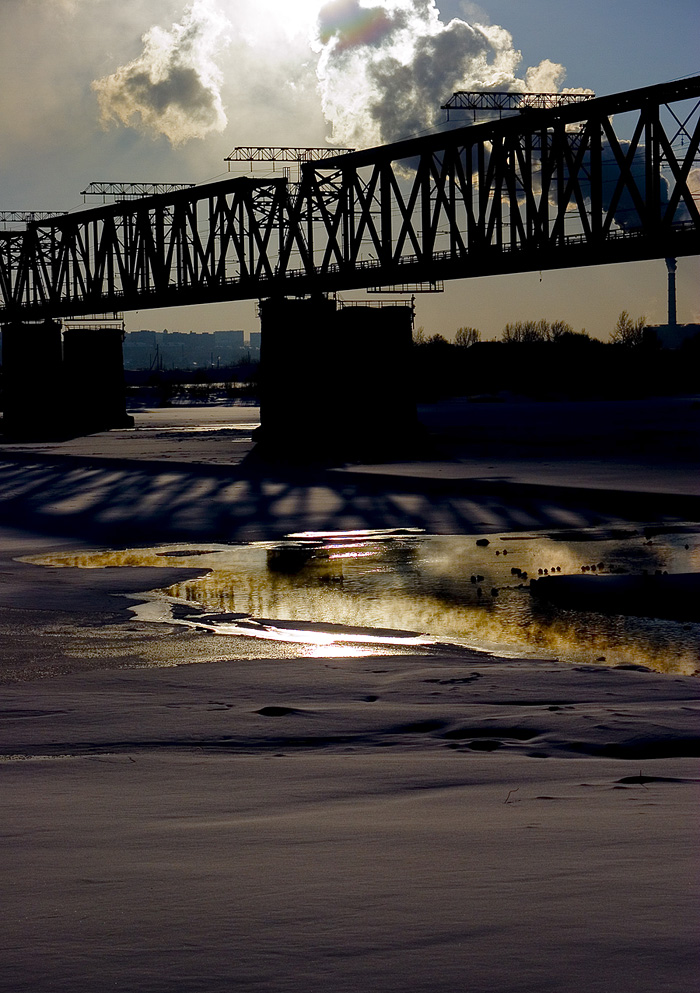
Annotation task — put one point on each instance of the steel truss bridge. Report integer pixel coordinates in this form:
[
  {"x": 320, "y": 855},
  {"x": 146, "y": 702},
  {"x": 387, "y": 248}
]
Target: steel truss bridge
[{"x": 547, "y": 188}]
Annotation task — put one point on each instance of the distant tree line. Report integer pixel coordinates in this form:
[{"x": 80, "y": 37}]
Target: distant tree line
[{"x": 544, "y": 359}]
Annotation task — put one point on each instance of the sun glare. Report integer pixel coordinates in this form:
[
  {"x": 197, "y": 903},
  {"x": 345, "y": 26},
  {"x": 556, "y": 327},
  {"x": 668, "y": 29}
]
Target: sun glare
[{"x": 294, "y": 16}]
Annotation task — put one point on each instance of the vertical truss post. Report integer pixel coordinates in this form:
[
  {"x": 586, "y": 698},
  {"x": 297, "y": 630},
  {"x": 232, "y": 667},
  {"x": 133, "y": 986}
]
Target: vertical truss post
[
  {"x": 424, "y": 178},
  {"x": 385, "y": 214},
  {"x": 652, "y": 165},
  {"x": 558, "y": 139},
  {"x": 498, "y": 154},
  {"x": 344, "y": 206},
  {"x": 514, "y": 218},
  {"x": 595, "y": 172},
  {"x": 452, "y": 173},
  {"x": 528, "y": 191}
]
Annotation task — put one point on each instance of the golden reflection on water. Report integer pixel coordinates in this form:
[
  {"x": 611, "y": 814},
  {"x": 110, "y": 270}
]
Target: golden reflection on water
[{"x": 359, "y": 593}]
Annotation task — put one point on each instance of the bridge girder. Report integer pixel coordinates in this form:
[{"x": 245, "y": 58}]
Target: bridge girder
[{"x": 547, "y": 189}]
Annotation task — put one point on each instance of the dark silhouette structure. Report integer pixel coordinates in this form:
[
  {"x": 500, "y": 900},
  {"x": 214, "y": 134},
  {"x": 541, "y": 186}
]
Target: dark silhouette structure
[
  {"x": 62, "y": 381},
  {"x": 551, "y": 187},
  {"x": 321, "y": 392},
  {"x": 547, "y": 188}
]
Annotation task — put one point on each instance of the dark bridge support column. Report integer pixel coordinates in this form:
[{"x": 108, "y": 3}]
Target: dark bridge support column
[
  {"x": 335, "y": 381},
  {"x": 32, "y": 376},
  {"x": 61, "y": 384},
  {"x": 93, "y": 363}
]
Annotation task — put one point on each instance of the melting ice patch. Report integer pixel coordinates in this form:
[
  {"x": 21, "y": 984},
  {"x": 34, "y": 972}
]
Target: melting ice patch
[{"x": 385, "y": 592}]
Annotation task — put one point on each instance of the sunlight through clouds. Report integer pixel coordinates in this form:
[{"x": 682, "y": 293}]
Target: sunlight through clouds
[
  {"x": 386, "y": 67},
  {"x": 380, "y": 68}
]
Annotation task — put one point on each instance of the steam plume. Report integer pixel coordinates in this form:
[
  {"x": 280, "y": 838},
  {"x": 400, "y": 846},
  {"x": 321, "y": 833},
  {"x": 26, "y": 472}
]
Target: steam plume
[
  {"x": 386, "y": 66},
  {"x": 173, "y": 87}
]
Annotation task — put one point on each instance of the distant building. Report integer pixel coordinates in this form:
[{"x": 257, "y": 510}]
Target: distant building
[
  {"x": 139, "y": 349},
  {"x": 183, "y": 350},
  {"x": 229, "y": 347},
  {"x": 254, "y": 344},
  {"x": 673, "y": 336}
]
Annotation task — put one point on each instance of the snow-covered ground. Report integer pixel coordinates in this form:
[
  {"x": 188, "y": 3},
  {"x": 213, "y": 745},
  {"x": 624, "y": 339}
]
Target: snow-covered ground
[
  {"x": 426, "y": 821},
  {"x": 389, "y": 824}
]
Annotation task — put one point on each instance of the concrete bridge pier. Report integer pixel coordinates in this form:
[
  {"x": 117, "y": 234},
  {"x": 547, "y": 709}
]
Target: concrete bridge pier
[
  {"x": 33, "y": 389},
  {"x": 93, "y": 364},
  {"x": 335, "y": 381},
  {"x": 60, "y": 383}
]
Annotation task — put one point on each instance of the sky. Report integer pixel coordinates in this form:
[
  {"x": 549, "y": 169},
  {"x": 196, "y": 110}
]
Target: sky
[{"x": 162, "y": 91}]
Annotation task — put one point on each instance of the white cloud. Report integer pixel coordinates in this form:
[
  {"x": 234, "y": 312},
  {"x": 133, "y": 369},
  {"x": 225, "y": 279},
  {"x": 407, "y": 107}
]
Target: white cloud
[
  {"x": 547, "y": 77},
  {"x": 386, "y": 66},
  {"x": 174, "y": 87}
]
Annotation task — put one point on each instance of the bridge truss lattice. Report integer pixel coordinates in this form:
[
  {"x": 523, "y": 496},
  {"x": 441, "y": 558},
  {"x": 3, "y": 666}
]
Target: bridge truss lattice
[{"x": 612, "y": 179}]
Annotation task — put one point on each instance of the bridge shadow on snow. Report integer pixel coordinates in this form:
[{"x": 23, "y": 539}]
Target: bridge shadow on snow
[{"x": 125, "y": 503}]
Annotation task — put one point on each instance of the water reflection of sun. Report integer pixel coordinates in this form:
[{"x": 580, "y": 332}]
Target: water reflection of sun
[{"x": 382, "y": 591}]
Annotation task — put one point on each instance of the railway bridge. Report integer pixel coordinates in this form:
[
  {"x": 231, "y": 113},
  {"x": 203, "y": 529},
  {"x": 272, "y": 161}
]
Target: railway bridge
[{"x": 607, "y": 180}]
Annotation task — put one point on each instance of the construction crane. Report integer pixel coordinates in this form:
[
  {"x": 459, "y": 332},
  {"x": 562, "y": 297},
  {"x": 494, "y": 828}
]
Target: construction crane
[
  {"x": 26, "y": 216},
  {"x": 495, "y": 101},
  {"x": 130, "y": 191},
  {"x": 282, "y": 153}
]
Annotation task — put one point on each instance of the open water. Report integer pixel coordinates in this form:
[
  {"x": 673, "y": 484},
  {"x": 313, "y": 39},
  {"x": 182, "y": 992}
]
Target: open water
[{"x": 348, "y": 594}]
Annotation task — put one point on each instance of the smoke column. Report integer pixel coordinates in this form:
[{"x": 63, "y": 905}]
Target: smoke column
[
  {"x": 383, "y": 67},
  {"x": 173, "y": 87},
  {"x": 386, "y": 67}
]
